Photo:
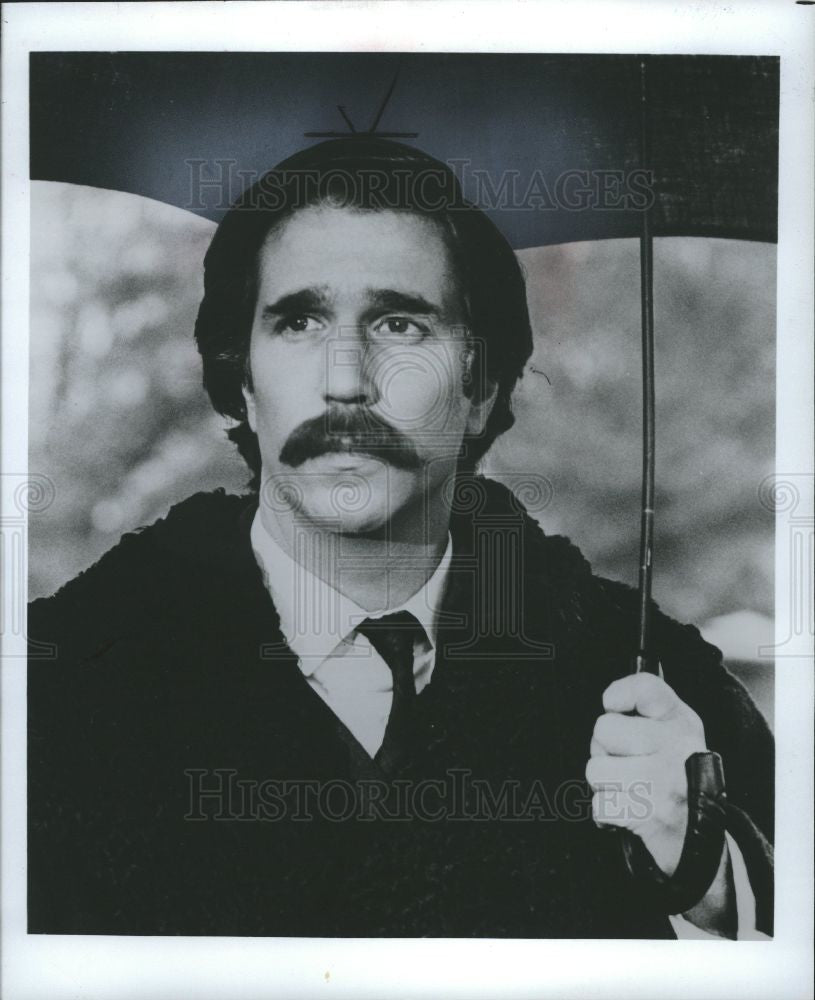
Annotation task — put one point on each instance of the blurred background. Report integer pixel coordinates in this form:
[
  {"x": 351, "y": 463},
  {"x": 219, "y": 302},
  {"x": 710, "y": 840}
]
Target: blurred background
[{"x": 120, "y": 423}]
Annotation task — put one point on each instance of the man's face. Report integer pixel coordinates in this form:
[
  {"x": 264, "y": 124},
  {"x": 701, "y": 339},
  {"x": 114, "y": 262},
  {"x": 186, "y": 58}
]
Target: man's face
[{"x": 358, "y": 354}]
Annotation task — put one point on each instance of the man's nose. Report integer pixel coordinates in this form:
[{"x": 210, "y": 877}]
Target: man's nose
[{"x": 348, "y": 369}]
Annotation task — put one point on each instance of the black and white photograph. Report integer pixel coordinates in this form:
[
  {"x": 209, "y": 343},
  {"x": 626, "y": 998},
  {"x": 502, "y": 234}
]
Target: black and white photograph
[{"x": 415, "y": 538}]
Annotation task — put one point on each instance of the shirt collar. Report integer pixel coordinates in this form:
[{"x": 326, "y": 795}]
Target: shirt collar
[{"x": 315, "y": 618}]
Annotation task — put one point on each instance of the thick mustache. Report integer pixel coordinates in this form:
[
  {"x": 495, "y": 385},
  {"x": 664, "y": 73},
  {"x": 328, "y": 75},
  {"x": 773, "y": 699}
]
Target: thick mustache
[{"x": 348, "y": 430}]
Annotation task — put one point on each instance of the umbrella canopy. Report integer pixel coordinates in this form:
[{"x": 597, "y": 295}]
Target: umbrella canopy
[{"x": 548, "y": 144}]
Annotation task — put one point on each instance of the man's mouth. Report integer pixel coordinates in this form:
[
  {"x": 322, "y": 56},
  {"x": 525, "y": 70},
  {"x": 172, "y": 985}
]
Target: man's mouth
[{"x": 350, "y": 458}]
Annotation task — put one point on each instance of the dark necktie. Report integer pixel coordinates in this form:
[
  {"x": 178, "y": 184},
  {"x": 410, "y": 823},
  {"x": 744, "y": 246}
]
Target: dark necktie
[{"x": 393, "y": 637}]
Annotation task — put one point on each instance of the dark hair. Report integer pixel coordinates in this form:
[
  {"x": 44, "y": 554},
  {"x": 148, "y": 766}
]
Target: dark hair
[{"x": 373, "y": 174}]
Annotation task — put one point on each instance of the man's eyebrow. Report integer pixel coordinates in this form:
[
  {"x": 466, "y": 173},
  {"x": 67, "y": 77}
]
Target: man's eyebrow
[
  {"x": 301, "y": 301},
  {"x": 390, "y": 300}
]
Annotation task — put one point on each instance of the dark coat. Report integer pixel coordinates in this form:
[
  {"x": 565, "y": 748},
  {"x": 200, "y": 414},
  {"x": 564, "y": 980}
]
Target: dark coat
[{"x": 162, "y": 669}]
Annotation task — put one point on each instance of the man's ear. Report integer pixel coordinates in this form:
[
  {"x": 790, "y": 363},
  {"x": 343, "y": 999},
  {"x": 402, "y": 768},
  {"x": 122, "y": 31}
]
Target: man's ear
[
  {"x": 480, "y": 410},
  {"x": 249, "y": 400}
]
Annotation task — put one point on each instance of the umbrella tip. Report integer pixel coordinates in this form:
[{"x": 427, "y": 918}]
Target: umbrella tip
[{"x": 369, "y": 132}]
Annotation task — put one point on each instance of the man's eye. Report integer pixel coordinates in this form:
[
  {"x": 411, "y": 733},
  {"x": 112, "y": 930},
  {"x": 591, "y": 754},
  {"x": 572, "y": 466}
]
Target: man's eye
[
  {"x": 298, "y": 324},
  {"x": 400, "y": 328}
]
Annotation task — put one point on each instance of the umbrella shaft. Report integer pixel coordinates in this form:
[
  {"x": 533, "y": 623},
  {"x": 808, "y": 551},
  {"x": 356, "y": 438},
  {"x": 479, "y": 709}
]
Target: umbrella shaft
[
  {"x": 648, "y": 404},
  {"x": 648, "y": 450}
]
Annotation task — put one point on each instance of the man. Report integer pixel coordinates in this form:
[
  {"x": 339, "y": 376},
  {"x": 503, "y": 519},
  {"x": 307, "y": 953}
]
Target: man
[{"x": 371, "y": 697}]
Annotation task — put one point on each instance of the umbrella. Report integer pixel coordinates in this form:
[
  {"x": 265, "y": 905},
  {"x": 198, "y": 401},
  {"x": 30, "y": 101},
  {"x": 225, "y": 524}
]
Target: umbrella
[
  {"x": 144, "y": 122},
  {"x": 558, "y": 149}
]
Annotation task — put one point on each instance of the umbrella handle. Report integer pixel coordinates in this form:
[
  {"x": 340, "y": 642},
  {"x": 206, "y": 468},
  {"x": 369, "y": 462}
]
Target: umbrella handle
[{"x": 703, "y": 846}]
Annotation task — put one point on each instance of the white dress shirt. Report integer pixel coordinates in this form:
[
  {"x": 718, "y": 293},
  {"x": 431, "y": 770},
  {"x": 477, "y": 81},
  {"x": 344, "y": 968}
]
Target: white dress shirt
[{"x": 319, "y": 625}]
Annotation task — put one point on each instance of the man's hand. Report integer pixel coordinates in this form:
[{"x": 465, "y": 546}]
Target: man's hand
[
  {"x": 637, "y": 773},
  {"x": 637, "y": 765}
]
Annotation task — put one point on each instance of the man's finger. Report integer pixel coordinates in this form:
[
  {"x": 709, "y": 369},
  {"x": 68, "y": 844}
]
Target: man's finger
[
  {"x": 619, "y": 772},
  {"x": 625, "y": 735},
  {"x": 623, "y": 790},
  {"x": 620, "y": 807},
  {"x": 644, "y": 693}
]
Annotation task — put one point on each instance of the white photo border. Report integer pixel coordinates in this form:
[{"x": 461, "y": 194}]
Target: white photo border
[{"x": 37, "y": 966}]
